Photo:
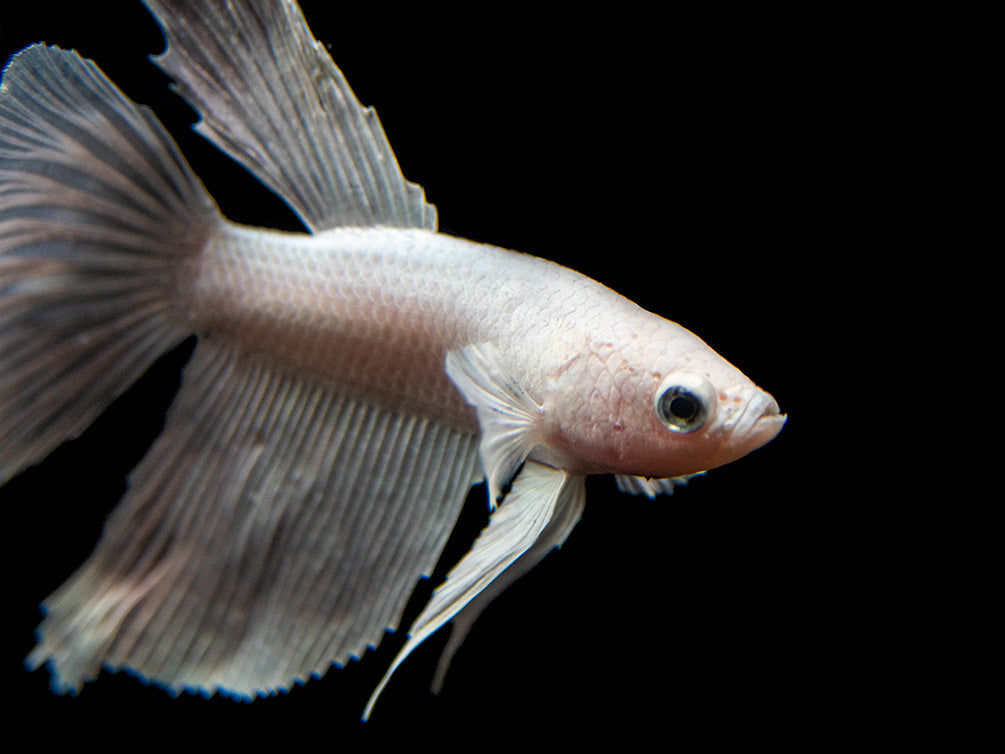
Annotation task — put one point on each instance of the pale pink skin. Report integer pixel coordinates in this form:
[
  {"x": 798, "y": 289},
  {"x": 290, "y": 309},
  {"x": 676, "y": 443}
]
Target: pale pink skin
[{"x": 375, "y": 310}]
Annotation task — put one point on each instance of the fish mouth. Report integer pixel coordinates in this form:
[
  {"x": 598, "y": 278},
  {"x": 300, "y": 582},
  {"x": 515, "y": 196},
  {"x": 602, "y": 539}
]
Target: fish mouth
[
  {"x": 767, "y": 426},
  {"x": 759, "y": 422}
]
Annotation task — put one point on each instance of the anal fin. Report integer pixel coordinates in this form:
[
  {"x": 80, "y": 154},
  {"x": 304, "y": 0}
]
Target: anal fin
[{"x": 275, "y": 527}]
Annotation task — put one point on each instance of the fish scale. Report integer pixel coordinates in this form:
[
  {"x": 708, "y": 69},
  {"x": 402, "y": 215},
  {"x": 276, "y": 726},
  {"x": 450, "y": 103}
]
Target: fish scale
[{"x": 312, "y": 300}]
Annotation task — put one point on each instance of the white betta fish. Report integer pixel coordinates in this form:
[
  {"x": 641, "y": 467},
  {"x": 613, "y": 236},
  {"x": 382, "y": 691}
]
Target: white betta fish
[{"x": 348, "y": 387}]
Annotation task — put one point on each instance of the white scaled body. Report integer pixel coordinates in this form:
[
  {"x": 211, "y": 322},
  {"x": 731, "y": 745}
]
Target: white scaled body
[
  {"x": 349, "y": 386},
  {"x": 376, "y": 309}
]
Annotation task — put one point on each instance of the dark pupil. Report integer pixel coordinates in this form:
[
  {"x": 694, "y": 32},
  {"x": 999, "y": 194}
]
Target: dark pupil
[{"x": 684, "y": 407}]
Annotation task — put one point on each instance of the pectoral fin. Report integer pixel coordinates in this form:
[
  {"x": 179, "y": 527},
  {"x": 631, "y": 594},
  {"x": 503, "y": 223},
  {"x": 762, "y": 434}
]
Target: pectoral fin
[
  {"x": 540, "y": 510},
  {"x": 509, "y": 418},
  {"x": 650, "y": 488}
]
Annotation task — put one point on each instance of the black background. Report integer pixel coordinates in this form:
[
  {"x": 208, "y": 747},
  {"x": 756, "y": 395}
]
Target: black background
[{"x": 698, "y": 164}]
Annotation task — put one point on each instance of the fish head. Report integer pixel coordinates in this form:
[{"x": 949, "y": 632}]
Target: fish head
[{"x": 662, "y": 404}]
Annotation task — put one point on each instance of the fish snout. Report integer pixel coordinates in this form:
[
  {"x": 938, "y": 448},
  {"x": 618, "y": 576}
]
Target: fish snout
[
  {"x": 750, "y": 417},
  {"x": 760, "y": 421}
]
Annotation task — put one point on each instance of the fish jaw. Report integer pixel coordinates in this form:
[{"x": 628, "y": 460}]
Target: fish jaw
[{"x": 749, "y": 419}]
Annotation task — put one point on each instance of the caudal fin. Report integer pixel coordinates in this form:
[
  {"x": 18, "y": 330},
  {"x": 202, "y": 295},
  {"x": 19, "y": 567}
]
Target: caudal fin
[{"x": 99, "y": 216}]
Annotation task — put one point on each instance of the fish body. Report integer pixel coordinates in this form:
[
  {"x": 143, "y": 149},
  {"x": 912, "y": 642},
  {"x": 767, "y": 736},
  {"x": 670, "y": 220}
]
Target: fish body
[
  {"x": 376, "y": 311},
  {"x": 349, "y": 384}
]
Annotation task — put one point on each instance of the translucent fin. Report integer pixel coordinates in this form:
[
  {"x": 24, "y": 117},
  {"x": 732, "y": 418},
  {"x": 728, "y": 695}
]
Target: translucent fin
[
  {"x": 565, "y": 518},
  {"x": 650, "y": 488},
  {"x": 275, "y": 527},
  {"x": 507, "y": 415},
  {"x": 540, "y": 494},
  {"x": 98, "y": 212},
  {"x": 271, "y": 98}
]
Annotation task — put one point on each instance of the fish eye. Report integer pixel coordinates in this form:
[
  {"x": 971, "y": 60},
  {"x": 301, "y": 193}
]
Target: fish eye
[{"x": 684, "y": 402}]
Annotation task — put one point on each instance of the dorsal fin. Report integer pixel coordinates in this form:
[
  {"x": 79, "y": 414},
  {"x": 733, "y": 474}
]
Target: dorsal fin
[{"x": 272, "y": 99}]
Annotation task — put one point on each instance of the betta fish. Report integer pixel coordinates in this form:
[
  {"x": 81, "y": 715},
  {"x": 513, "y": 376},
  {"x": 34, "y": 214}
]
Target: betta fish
[{"x": 348, "y": 386}]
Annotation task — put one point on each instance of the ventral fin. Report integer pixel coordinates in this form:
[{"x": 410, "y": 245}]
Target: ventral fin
[
  {"x": 567, "y": 513},
  {"x": 272, "y": 99},
  {"x": 539, "y": 512},
  {"x": 508, "y": 416}
]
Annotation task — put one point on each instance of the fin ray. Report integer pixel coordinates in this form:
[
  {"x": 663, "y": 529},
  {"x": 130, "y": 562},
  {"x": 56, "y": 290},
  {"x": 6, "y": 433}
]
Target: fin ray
[
  {"x": 650, "y": 488},
  {"x": 98, "y": 212},
  {"x": 276, "y": 103},
  {"x": 507, "y": 414},
  {"x": 275, "y": 527},
  {"x": 540, "y": 510},
  {"x": 568, "y": 511}
]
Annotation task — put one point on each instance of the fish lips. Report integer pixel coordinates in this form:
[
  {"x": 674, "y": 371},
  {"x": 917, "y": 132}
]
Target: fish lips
[
  {"x": 759, "y": 423},
  {"x": 751, "y": 420}
]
